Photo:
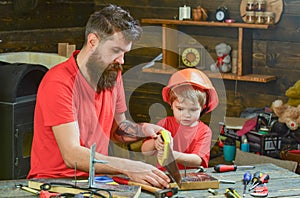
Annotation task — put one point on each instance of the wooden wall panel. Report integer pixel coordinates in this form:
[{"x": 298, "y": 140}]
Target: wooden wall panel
[
  {"x": 40, "y": 40},
  {"x": 47, "y": 14},
  {"x": 275, "y": 51}
]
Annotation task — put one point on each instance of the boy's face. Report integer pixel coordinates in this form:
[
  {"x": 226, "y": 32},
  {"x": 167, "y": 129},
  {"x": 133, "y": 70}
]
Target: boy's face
[{"x": 186, "y": 112}]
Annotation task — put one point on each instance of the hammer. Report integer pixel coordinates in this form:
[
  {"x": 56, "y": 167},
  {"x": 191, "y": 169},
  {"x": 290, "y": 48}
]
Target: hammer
[{"x": 159, "y": 193}]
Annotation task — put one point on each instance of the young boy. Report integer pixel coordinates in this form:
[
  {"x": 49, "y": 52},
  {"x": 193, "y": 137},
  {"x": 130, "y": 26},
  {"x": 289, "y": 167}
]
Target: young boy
[{"x": 190, "y": 94}]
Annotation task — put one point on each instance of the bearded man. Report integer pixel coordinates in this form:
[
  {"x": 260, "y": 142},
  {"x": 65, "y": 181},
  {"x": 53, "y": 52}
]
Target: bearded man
[{"x": 79, "y": 101}]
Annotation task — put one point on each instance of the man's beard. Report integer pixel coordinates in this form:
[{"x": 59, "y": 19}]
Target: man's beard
[{"x": 104, "y": 76}]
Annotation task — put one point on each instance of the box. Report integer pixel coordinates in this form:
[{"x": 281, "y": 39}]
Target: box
[{"x": 264, "y": 144}]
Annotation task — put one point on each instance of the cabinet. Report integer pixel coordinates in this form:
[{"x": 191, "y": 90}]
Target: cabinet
[{"x": 244, "y": 37}]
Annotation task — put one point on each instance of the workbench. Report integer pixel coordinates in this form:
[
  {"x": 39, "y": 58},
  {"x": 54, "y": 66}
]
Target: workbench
[{"x": 282, "y": 183}]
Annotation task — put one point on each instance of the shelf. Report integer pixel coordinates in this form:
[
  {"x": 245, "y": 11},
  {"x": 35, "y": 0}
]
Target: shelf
[
  {"x": 226, "y": 76},
  {"x": 204, "y": 23},
  {"x": 245, "y": 45}
]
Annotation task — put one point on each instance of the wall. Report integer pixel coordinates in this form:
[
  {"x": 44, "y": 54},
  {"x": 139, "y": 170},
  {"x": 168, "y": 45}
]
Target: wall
[{"x": 276, "y": 51}]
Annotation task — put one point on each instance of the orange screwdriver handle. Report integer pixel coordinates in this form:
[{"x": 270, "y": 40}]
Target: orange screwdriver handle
[{"x": 220, "y": 168}]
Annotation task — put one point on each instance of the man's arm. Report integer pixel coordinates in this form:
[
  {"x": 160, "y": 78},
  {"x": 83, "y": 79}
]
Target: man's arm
[
  {"x": 126, "y": 131},
  {"x": 67, "y": 138}
]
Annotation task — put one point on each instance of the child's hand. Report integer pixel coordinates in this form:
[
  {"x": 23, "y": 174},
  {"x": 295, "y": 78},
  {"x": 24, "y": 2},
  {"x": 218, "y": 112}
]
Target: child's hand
[{"x": 158, "y": 143}]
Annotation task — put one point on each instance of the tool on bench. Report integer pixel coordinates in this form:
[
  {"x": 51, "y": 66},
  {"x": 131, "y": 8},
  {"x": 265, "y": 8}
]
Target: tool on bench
[
  {"x": 256, "y": 177},
  {"x": 260, "y": 191},
  {"x": 41, "y": 193},
  {"x": 220, "y": 168},
  {"x": 231, "y": 193},
  {"x": 246, "y": 180},
  {"x": 159, "y": 193},
  {"x": 212, "y": 191},
  {"x": 168, "y": 160},
  {"x": 92, "y": 166},
  {"x": 263, "y": 178}
]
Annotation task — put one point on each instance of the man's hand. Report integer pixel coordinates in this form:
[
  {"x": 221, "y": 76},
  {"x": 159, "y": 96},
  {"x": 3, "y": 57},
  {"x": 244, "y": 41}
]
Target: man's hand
[
  {"x": 151, "y": 130},
  {"x": 148, "y": 174}
]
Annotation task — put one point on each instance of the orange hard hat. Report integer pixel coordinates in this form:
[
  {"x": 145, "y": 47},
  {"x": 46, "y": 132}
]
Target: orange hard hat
[{"x": 197, "y": 78}]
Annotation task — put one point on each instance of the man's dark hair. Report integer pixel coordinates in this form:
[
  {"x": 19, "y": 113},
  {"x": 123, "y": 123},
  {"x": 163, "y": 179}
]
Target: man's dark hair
[{"x": 111, "y": 19}]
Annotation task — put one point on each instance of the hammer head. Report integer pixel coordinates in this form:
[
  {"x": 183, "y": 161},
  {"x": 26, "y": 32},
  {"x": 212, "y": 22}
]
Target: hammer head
[{"x": 168, "y": 192}]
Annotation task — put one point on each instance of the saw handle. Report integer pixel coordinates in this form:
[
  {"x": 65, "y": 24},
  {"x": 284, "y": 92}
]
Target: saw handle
[{"x": 166, "y": 139}]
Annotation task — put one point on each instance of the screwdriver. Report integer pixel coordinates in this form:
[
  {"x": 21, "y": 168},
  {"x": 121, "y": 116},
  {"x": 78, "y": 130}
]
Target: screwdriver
[
  {"x": 246, "y": 181},
  {"x": 256, "y": 177},
  {"x": 264, "y": 178},
  {"x": 220, "y": 168}
]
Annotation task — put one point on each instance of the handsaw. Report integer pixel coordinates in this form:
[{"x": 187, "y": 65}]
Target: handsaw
[{"x": 168, "y": 160}]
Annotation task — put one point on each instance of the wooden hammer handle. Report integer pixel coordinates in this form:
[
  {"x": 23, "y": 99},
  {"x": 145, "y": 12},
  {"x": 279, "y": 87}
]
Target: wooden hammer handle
[{"x": 148, "y": 188}]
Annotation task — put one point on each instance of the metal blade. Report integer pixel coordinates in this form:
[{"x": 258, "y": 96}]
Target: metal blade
[
  {"x": 168, "y": 160},
  {"x": 172, "y": 168}
]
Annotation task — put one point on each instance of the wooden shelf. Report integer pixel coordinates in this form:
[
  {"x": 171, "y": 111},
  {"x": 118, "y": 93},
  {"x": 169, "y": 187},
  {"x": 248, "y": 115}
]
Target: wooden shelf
[
  {"x": 204, "y": 23},
  {"x": 244, "y": 63},
  {"x": 226, "y": 76}
]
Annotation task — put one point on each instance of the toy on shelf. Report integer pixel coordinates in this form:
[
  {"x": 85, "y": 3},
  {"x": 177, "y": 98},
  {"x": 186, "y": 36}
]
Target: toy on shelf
[{"x": 223, "y": 63}]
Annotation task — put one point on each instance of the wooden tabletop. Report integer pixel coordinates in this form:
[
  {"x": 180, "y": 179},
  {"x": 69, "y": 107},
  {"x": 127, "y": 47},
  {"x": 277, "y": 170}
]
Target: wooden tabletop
[{"x": 282, "y": 183}]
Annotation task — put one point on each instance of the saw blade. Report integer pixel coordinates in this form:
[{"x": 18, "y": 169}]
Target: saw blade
[{"x": 168, "y": 160}]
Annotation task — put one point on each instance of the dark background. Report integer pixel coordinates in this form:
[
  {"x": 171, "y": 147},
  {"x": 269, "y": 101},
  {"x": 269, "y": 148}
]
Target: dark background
[{"x": 39, "y": 26}]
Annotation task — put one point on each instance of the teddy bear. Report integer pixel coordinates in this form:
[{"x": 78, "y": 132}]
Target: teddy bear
[
  {"x": 294, "y": 94},
  {"x": 223, "y": 63},
  {"x": 288, "y": 114}
]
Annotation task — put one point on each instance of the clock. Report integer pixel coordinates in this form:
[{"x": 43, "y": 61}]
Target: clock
[
  {"x": 222, "y": 14},
  {"x": 191, "y": 56}
]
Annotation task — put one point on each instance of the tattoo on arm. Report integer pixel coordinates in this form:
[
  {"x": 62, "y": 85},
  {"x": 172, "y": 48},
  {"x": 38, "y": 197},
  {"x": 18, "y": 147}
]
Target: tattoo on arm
[{"x": 130, "y": 129}]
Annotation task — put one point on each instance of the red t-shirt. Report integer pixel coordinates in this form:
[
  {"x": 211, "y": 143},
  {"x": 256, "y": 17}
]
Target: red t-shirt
[
  {"x": 65, "y": 96},
  {"x": 192, "y": 140}
]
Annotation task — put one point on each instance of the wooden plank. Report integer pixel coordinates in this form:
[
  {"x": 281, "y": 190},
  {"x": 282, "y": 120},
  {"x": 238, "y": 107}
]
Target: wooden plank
[
  {"x": 226, "y": 76},
  {"x": 71, "y": 14},
  {"x": 282, "y": 183},
  {"x": 169, "y": 46},
  {"x": 240, "y": 52},
  {"x": 40, "y": 40},
  {"x": 205, "y": 23},
  {"x": 197, "y": 181},
  {"x": 66, "y": 186}
]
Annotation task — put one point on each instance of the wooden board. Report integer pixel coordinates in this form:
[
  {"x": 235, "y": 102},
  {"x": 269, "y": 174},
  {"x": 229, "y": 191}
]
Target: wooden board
[
  {"x": 117, "y": 191},
  {"x": 234, "y": 122},
  {"x": 275, "y": 6},
  {"x": 197, "y": 181}
]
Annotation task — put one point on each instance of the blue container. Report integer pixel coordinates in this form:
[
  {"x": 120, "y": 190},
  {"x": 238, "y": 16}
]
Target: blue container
[
  {"x": 229, "y": 152},
  {"x": 245, "y": 147}
]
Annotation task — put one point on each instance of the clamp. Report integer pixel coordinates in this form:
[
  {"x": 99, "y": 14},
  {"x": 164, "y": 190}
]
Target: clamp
[{"x": 92, "y": 166}]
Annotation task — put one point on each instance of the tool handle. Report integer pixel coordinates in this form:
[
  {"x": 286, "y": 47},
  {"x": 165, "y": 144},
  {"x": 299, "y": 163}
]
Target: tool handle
[
  {"x": 121, "y": 180},
  {"x": 148, "y": 188},
  {"x": 247, "y": 178},
  {"x": 220, "y": 168},
  {"x": 264, "y": 178},
  {"x": 47, "y": 194},
  {"x": 166, "y": 139}
]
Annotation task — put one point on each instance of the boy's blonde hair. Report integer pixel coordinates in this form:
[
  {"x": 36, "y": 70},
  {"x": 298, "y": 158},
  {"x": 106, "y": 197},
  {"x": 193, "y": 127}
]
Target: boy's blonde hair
[{"x": 188, "y": 92}]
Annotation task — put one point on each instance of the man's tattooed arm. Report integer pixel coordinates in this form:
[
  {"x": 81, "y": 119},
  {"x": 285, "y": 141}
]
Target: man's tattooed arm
[{"x": 130, "y": 129}]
